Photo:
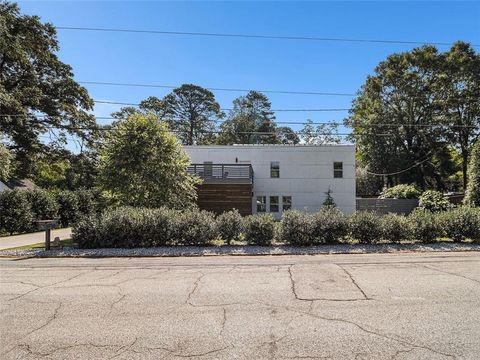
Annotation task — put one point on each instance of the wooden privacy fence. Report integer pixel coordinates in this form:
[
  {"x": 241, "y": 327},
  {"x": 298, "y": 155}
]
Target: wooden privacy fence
[{"x": 385, "y": 206}]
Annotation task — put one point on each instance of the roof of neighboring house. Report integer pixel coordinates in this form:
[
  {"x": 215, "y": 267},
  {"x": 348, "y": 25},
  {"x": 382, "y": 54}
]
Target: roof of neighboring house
[{"x": 21, "y": 184}]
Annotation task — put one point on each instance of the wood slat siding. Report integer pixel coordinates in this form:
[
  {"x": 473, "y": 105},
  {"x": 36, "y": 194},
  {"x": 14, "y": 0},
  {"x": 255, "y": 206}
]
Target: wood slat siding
[
  {"x": 385, "y": 206},
  {"x": 223, "y": 197}
]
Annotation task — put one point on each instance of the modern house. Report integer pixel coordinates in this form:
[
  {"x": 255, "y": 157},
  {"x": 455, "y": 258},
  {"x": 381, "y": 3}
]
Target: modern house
[{"x": 273, "y": 178}]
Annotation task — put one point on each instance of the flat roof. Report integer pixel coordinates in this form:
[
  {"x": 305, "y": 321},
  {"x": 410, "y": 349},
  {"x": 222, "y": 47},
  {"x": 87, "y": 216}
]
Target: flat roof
[{"x": 268, "y": 145}]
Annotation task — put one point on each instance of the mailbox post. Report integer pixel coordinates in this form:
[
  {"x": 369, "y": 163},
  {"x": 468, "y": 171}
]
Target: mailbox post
[{"x": 47, "y": 225}]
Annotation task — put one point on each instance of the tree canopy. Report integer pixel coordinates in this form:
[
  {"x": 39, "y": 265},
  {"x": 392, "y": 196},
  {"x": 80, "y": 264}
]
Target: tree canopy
[
  {"x": 143, "y": 164},
  {"x": 37, "y": 91},
  {"x": 417, "y": 108}
]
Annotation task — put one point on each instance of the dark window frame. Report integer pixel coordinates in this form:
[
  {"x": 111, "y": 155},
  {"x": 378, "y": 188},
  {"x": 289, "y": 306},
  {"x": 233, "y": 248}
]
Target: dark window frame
[
  {"x": 277, "y": 203},
  {"x": 262, "y": 204},
  {"x": 338, "y": 169},
  {"x": 274, "y": 171},
  {"x": 289, "y": 205}
]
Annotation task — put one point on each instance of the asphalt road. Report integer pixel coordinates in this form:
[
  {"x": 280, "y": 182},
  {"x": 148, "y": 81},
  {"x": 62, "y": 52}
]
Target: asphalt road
[
  {"x": 405, "y": 306},
  {"x": 8, "y": 242}
]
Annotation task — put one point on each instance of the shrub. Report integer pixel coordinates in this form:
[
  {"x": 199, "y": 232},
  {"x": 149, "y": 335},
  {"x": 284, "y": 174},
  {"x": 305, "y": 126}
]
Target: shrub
[
  {"x": 229, "y": 225},
  {"x": 195, "y": 227},
  {"x": 259, "y": 229},
  {"x": 461, "y": 223},
  {"x": 15, "y": 211},
  {"x": 87, "y": 232},
  {"x": 365, "y": 227},
  {"x": 394, "y": 227},
  {"x": 402, "y": 191},
  {"x": 331, "y": 225},
  {"x": 424, "y": 225},
  {"x": 329, "y": 202},
  {"x": 126, "y": 227},
  {"x": 433, "y": 200},
  {"x": 42, "y": 203},
  {"x": 68, "y": 210},
  {"x": 87, "y": 201},
  {"x": 297, "y": 228}
]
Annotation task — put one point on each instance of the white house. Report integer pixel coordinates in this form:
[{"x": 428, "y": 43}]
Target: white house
[{"x": 273, "y": 178}]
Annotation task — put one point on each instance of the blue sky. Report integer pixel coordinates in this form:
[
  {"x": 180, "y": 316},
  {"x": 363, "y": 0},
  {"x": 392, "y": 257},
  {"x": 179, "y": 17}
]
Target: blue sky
[{"x": 247, "y": 63}]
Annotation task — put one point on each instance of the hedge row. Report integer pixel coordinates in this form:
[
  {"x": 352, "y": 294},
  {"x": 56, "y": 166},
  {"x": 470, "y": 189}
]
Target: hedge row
[
  {"x": 19, "y": 209},
  {"x": 140, "y": 227}
]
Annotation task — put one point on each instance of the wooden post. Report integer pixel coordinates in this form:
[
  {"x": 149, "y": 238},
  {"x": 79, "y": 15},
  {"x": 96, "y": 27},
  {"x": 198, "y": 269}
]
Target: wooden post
[{"x": 47, "y": 239}]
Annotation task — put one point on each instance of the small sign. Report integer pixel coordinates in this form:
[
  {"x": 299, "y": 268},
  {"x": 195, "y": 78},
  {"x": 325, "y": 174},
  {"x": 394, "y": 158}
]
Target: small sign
[{"x": 47, "y": 224}]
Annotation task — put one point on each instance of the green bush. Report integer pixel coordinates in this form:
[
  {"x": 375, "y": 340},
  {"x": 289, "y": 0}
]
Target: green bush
[
  {"x": 68, "y": 209},
  {"x": 394, "y": 228},
  {"x": 331, "y": 226},
  {"x": 402, "y": 191},
  {"x": 87, "y": 232},
  {"x": 15, "y": 212},
  {"x": 195, "y": 227},
  {"x": 297, "y": 228},
  {"x": 424, "y": 225},
  {"x": 229, "y": 225},
  {"x": 365, "y": 227},
  {"x": 433, "y": 200},
  {"x": 42, "y": 203},
  {"x": 461, "y": 223},
  {"x": 259, "y": 229}
]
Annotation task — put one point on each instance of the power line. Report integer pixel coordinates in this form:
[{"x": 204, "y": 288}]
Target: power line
[
  {"x": 404, "y": 170},
  {"x": 255, "y": 36},
  {"x": 228, "y": 109},
  {"x": 217, "y": 89},
  {"x": 335, "y": 123}
]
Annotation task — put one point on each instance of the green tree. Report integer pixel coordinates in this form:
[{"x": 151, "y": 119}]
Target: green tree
[
  {"x": 320, "y": 134},
  {"x": 142, "y": 164},
  {"x": 5, "y": 162},
  {"x": 193, "y": 111},
  {"x": 407, "y": 110},
  {"x": 472, "y": 195},
  {"x": 16, "y": 215},
  {"x": 287, "y": 136},
  {"x": 251, "y": 121},
  {"x": 37, "y": 90},
  {"x": 459, "y": 88}
]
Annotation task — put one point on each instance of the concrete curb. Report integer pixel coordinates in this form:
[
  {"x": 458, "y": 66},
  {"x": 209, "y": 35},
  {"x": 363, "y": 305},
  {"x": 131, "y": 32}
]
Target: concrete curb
[{"x": 245, "y": 250}]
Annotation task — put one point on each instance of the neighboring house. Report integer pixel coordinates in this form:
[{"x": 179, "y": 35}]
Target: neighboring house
[{"x": 273, "y": 178}]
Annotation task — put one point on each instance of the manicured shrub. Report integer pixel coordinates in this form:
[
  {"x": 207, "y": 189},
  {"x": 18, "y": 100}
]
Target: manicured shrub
[
  {"x": 229, "y": 225},
  {"x": 297, "y": 228},
  {"x": 330, "y": 226},
  {"x": 87, "y": 232},
  {"x": 394, "y": 228},
  {"x": 402, "y": 191},
  {"x": 86, "y": 201},
  {"x": 195, "y": 227},
  {"x": 424, "y": 225},
  {"x": 433, "y": 200},
  {"x": 365, "y": 227},
  {"x": 68, "y": 210},
  {"x": 15, "y": 212},
  {"x": 259, "y": 229},
  {"x": 461, "y": 223},
  {"x": 42, "y": 203}
]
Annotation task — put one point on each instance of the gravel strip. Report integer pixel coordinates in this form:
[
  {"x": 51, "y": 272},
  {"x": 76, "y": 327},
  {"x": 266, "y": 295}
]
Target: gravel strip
[{"x": 244, "y": 250}]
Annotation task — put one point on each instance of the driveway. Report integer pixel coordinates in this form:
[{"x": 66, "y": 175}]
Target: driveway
[
  {"x": 403, "y": 306},
  {"x": 7, "y": 242}
]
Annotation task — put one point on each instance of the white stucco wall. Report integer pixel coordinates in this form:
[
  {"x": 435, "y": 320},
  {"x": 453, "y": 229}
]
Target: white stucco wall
[{"x": 306, "y": 172}]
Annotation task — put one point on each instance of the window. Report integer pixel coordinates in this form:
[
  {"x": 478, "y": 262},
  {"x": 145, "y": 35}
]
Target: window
[
  {"x": 274, "y": 206},
  {"x": 286, "y": 203},
  {"x": 338, "y": 169},
  {"x": 274, "y": 169},
  {"x": 261, "y": 203}
]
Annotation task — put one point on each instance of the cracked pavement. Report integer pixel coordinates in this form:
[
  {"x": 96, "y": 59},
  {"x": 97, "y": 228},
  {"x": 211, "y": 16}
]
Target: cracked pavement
[{"x": 378, "y": 306}]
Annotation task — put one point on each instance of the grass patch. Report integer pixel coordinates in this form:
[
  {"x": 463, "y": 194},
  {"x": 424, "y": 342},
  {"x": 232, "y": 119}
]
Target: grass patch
[{"x": 41, "y": 245}]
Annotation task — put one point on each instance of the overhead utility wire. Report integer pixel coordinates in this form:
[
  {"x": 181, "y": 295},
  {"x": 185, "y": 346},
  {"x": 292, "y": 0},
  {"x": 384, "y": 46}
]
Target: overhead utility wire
[
  {"x": 225, "y": 109},
  {"x": 217, "y": 89},
  {"x": 284, "y": 122},
  {"x": 404, "y": 170},
  {"x": 254, "y": 36}
]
